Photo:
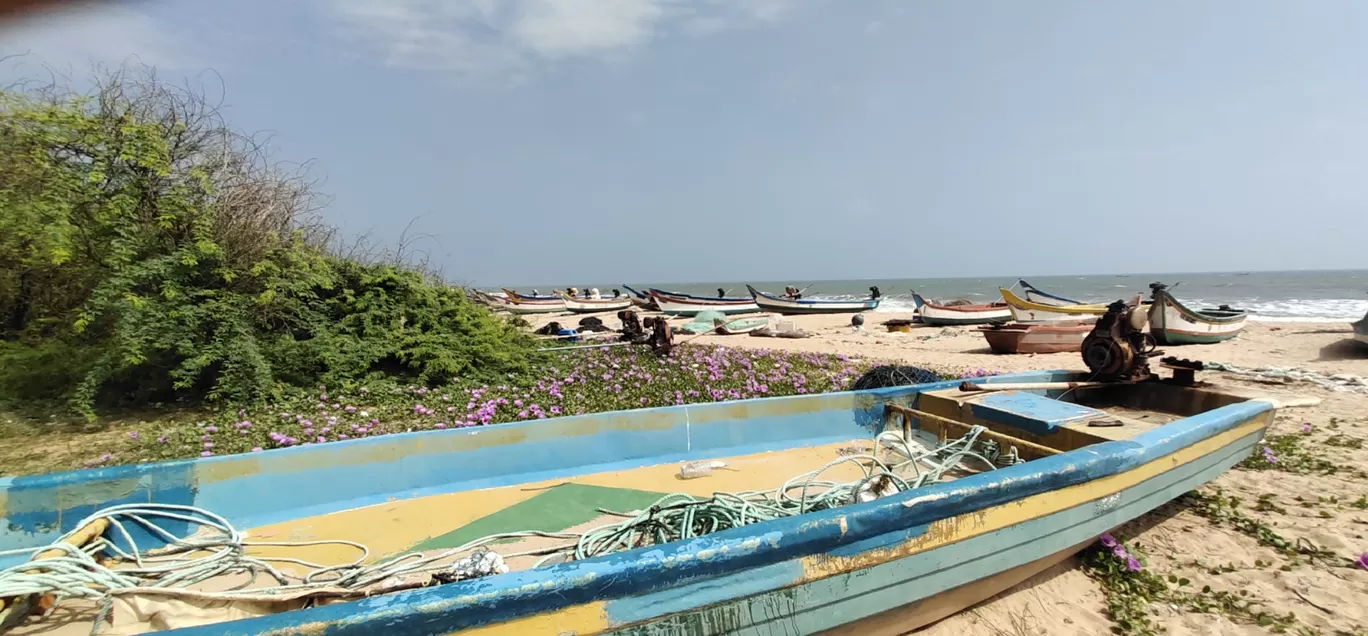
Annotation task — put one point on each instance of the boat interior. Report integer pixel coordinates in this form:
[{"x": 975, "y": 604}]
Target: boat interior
[{"x": 558, "y": 478}]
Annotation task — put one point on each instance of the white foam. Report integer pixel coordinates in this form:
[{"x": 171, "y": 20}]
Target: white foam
[{"x": 1295, "y": 310}]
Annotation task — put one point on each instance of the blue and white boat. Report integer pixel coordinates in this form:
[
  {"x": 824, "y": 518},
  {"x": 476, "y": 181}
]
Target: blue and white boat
[{"x": 572, "y": 525}]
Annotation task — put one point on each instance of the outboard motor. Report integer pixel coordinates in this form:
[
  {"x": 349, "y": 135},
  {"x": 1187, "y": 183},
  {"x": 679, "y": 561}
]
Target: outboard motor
[{"x": 1118, "y": 348}]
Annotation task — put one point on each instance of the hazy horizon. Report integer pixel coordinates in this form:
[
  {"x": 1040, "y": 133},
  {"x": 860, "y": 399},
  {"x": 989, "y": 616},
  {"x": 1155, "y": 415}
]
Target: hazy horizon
[
  {"x": 787, "y": 139},
  {"x": 1012, "y": 277}
]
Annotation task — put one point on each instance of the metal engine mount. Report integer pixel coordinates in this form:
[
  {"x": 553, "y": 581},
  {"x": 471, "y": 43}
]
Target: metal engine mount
[{"x": 1118, "y": 349}]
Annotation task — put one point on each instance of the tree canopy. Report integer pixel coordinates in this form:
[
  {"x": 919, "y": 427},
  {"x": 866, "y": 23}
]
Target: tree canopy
[{"x": 150, "y": 252}]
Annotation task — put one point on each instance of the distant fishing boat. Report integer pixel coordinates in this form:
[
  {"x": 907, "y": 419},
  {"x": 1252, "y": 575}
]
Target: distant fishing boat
[
  {"x": 738, "y": 326},
  {"x": 1173, "y": 323},
  {"x": 787, "y": 306},
  {"x": 687, "y": 305},
  {"x": 1026, "y": 311},
  {"x": 952, "y": 509},
  {"x": 1043, "y": 337},
  {"x": 581, "y": 305},
  {"x": 642, "y": 299},
  {"x": 1041, "y": 297},
  {"x": 962, "y": 314}
]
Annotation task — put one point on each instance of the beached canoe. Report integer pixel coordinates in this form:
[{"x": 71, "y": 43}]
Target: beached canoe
[
  {"x": 1043, "y": 337},
  {"x": 686, "y": 305},
  {"x": 1026, "y": 311},
  {"x": 875, "y": 554},
  {"x": 738, "y": 326},
  {"x": 642, "y": 299},
  {"x": 1041, "y": 297},
  {"x": 582, "y": 305},
  {"x": 517, "y": 304},
  {"x": 788, "y": 306},
  {"x": 963, "y": 314},
  {"x": 1173, "y": 323},
  {"x": 533, "y": 297}
]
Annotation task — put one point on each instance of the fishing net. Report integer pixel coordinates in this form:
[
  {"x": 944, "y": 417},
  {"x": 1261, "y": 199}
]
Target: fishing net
[{"x": 890, "y": 375}]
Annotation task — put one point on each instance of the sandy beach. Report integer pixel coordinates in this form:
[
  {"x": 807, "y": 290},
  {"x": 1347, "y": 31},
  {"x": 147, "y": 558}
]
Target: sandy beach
[{"x": 1325, "y": 595}]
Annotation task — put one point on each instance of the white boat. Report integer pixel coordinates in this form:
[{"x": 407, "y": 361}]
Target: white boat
[
  {"x": 1026, "y": 311},
  {"x": 1173, "y": 323},
  {"x": 964, "y": 313},
  {"x": 686, "y": 305},
  {"x": 595, "y": 305},
  {"x": 782, "y": 305}
]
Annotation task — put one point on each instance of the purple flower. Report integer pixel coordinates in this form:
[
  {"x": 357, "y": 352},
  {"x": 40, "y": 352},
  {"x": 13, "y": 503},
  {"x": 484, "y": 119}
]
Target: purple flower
[
  {"x": 1363, "y": 560},
  {"x": 132, "y": 435},
  {"x": 1107, "y": 541},
  {"x": 256, "y": 449},
  {"x": 350, "y": 409},
  {"x": 163, "y": 439},
  {"x": 207, "y": 454},
  {"x": 1120, "y": 552},
  {"x": 1268, "y": 455},
  {"x": 1306, "y": 428},
  {"x": 1133, "y": 564},
  {"x": 211, "y": 429}
]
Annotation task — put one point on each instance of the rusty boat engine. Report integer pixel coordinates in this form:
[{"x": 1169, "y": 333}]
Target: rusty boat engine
[{"x": 1118, "y": 349}]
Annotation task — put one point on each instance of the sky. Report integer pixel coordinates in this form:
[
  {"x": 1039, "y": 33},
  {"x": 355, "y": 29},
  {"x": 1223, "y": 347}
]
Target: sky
[{"x": 678, "y": 141}]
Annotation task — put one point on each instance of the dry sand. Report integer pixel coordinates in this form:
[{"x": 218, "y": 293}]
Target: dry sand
[{"x": 1327, "y": 598}]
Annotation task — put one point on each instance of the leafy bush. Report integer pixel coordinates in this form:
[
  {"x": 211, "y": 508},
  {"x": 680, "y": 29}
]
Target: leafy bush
[{"x": 148, "y": 252}]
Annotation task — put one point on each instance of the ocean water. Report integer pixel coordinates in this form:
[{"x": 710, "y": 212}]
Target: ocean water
[{"x": 1270, "y": 296}]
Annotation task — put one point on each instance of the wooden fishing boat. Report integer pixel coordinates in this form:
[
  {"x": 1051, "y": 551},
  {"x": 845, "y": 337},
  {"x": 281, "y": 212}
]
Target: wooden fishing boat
[
  {"x": 642, "y": 299},
  {"x": 1361, "y": 331},
  {"x": 581, "y": 305},
  {"x": 789, "y": 306},
  {"x": 1041, "y": 297},
  {"x": 886, "y": 551},
  {"x": 1173, "y": 323},
  {"x": 1026, "y": 311},
  {"x": 517, "y": 304},
  {"x": 1043, "y": 337},
  {"x": 686, "y": 305},
  {"x": 531, "y": 297},
  {"x": 962, "y": 314},
  {"x": 738, "y": 326}
]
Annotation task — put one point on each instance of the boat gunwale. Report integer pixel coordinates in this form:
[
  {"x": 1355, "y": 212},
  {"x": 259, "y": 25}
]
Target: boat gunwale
[
  {"x": 1014, "y": 300},
  {"x": 810, "y": 303},
  {"x": 689, "y": 299},
  {"x": 1164, "y": 298},
  {"x": 1028, "y": 288},
  {"x": 515, "y": 595},
  {"x": 980, "y": 308}
]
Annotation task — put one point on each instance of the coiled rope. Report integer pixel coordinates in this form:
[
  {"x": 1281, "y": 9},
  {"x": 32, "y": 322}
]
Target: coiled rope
[{"x": 216, "y": 548}]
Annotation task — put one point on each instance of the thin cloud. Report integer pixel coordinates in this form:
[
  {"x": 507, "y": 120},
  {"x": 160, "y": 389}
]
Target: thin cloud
[{"x": 510, "y": 38}]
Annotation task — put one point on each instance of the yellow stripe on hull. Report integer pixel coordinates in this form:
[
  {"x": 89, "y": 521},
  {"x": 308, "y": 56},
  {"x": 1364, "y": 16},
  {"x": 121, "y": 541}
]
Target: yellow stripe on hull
[
  {"x": 584, "y": 620},
  {"x": 1023, "y": 304}
]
